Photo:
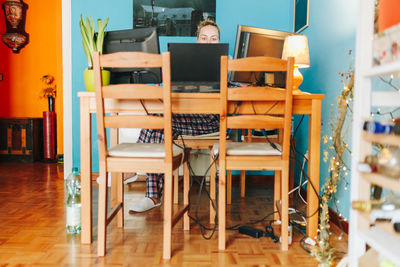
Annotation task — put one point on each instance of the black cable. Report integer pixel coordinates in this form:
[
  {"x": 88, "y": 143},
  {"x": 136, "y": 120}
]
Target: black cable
[
  {"x": 195, "y": 218},
  {"x": 201, "y": 183},
  {"x": 270, "y": 108},
  {"x": 236, "y": 226},
  {"x": 272, "y": 144},
  {"x": 254, "y": 109},
  {"x": 303, "y": 171},
  {"x": 304, "y": 246},
  {"x": 312, "y": 186},
  {"x": 144, "y": 107}
]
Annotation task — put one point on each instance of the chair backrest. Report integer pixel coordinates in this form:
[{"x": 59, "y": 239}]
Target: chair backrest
[
  {"x": 276, "y": 111},
  {"x": 138, "y": 92}
]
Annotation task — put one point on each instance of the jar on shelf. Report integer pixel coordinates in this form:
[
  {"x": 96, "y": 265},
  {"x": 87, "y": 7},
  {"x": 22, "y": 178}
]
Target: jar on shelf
[{"x": 389, "y": 161}]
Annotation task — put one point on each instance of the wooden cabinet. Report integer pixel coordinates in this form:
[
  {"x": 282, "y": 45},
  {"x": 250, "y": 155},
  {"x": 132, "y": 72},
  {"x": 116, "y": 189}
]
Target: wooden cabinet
[
  {"x": 380, "y": 237},
  {"x": 21, "y": 139}
]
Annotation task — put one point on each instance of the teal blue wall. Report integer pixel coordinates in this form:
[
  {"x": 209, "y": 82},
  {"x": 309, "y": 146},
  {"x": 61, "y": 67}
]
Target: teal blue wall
[
  {"x": 265, "y": 14},
  {"x": 120, "y": 18},
  {"x": 331, "y": 35}
]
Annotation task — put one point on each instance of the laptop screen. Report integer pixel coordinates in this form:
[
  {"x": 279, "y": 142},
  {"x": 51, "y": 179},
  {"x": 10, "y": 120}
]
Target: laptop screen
[{"x": 193, "y": 62}]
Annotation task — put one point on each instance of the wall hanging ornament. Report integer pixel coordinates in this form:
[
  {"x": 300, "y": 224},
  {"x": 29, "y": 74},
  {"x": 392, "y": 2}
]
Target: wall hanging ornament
[{"x": 15, "y": 36}]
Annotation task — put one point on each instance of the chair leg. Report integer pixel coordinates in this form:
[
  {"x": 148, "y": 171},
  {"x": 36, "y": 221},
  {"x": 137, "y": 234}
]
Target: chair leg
[
  {"x": 167, "y": 214},
  {"x": 229, "y": 188},
  {"x": 102, "y": 215},
  {"x": 117, "y": 196},
  {"x": 277, "y": 192},
  {"x": 176, "y": 185},
  {"x": 242, "y": 183},
  {"x": 285, "y": 208},
  {"x": 221, "y": 206},
  {"x": 120, "y": 193},
  {"x": 212, "y": 188},
  {"x": 186, "y": 187}
]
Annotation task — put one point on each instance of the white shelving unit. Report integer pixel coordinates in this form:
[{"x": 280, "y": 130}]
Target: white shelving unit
[{"x": 381, "y": 237}]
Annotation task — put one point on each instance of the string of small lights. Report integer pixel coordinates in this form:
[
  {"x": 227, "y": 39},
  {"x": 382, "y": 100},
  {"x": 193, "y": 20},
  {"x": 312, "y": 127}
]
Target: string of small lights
[
  {"x": 338, "y": 168},
  {"x": 390, "y": 113}
]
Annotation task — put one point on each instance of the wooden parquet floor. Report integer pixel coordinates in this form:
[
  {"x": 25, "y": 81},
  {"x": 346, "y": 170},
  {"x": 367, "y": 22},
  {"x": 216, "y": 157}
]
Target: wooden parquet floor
[{"x": 32, "y": 227}]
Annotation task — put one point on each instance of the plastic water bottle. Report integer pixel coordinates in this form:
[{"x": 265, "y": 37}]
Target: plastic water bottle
[{"x": 73, "y": 202}]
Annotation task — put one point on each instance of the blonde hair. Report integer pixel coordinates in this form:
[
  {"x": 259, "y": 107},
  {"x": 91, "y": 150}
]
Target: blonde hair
[{"x": 207, "y": 22}]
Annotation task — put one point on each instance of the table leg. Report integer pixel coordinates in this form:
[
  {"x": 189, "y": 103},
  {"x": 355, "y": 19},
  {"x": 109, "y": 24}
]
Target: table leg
[
  {"x": 212, "y": 188},
  {"x": 86, "y": 171},
  {"x": 313, "y": 170}
]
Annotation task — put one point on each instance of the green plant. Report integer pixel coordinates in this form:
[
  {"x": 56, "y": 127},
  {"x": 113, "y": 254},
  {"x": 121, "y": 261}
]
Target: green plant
[{"x": 91, "y": 41}]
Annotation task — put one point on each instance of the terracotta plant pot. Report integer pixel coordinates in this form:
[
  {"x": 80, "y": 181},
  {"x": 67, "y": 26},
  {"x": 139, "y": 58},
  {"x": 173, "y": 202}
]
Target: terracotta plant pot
[{"x": 89, "y": 79}]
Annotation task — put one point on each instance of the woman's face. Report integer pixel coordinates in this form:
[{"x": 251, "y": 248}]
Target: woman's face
[{"x": 208, "y": 34}]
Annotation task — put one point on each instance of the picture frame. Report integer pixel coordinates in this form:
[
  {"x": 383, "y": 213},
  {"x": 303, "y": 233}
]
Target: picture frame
[
  {"x": 173, "y": 17},
  {"x": 301, "y": 15}
]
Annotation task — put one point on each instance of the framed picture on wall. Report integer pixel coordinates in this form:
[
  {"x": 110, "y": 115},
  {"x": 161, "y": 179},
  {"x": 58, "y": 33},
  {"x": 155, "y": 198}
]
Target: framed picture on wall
[
  {"x": 172, "y": 17},
  {"x": 301, "y": 12}
]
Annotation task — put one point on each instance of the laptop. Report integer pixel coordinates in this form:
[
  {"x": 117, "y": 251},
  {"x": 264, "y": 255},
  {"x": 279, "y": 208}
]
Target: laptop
[{"x": 196, "y": 67}]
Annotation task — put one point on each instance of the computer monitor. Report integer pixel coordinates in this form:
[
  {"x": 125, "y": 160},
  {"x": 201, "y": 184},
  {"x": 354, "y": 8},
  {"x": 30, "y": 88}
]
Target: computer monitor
[
  {"x": 252, "y": 41},
  {"x": 141, "y": 40}
]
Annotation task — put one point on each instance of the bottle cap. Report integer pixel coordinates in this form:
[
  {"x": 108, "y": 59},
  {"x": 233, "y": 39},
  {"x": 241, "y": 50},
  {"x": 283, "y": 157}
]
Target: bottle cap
[{"x": 388, "y": 207}]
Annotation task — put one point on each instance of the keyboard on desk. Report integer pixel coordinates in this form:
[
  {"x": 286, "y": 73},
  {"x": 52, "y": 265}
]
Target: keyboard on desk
[{"x": 195, "y": 87}]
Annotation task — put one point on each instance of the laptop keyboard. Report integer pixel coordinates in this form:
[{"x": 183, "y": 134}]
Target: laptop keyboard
[{"x": 195, "y": 87}]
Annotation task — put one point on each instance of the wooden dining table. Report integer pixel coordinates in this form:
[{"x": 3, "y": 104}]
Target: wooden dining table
[{"x": 199, "y": 103}]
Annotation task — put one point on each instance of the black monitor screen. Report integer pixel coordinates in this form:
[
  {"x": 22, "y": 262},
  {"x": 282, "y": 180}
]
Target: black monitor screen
[
  {"x": 251, "y": 42},
  {"x": 193, "y": 62},
  {"x": 141, "y": 40}
]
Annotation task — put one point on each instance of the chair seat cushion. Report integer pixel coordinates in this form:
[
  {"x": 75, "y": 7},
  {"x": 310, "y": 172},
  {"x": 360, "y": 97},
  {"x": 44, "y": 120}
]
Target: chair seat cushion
[
  {"x": 249, "y": 149},
  {"x": 142, "y": 150}
]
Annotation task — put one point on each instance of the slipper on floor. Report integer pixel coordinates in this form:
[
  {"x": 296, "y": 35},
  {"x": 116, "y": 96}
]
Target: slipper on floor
[
  {"x": 143, "y": 205},
  {"x": 131, "y": 179}
]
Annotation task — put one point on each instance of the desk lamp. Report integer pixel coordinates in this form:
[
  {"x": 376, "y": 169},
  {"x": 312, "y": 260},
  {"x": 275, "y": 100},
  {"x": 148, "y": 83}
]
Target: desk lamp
[{"x": 297, "y": 46}]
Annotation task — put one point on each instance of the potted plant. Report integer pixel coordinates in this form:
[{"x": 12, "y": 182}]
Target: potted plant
[
  {"x": 49, "y": 90},
  {"x": 93, "y": 42}
]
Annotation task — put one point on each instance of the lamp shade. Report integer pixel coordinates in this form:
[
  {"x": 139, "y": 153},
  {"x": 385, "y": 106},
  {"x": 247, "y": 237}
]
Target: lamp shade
[{"x": 297, "y": 46}]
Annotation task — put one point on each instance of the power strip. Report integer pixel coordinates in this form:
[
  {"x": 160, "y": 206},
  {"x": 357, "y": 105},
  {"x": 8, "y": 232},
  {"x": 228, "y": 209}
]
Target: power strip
[
  {"x": 257, "y": 233},
  {"x": 250, "y": 231}
]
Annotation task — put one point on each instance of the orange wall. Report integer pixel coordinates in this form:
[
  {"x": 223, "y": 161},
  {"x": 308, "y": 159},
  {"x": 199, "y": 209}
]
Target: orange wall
[{"x": 19, "y": 90}]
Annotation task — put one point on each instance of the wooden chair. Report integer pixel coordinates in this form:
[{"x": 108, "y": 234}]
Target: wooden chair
[
  {"x": 254, "y": 113},
  {"x": 136, "y": 157}
]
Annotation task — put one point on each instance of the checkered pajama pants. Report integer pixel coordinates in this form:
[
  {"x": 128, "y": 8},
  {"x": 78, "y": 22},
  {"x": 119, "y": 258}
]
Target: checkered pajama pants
[{"x": 182, "y": 124}]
